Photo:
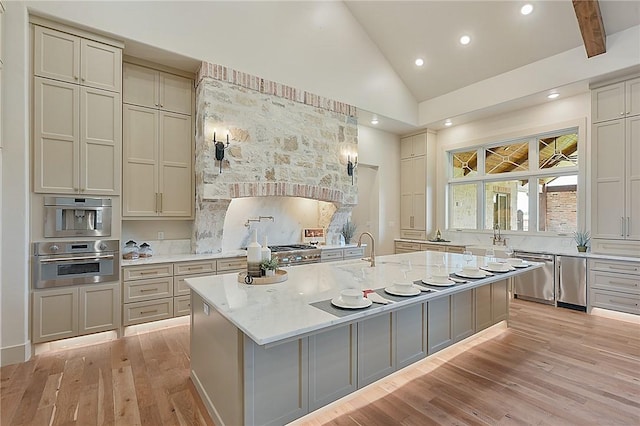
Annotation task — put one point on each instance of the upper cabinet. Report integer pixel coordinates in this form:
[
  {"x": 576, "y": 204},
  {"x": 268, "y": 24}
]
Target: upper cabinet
[
  {"x": 77, "y": 114},
  {"x": 158, "y": 144},
  {"x": 616, "y": 176},
  {"x": 1, "y": 65},
  {"x": 156, "y": 89},
  {"x": 413, "y": 146},
  {"x": 72, "y": 59},
  {"x": 614, "y": 101}
]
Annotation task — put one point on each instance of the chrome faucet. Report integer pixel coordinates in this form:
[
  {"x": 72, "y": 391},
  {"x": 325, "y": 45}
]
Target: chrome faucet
[
  {"x": 498, "y": 238},
  {"x": 373, "y": 247}
]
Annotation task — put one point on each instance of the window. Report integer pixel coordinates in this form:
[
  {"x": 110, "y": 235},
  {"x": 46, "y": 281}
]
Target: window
[{"x": 490, "y": 186}]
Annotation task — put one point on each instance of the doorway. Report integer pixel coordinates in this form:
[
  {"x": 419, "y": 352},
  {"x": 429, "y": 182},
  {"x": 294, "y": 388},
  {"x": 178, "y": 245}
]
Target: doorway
[{"x": 366, "y": 214}]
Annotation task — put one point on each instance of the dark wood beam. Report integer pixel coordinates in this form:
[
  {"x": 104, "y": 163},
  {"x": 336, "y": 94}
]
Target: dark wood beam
[{"x": 591, "y": 26}]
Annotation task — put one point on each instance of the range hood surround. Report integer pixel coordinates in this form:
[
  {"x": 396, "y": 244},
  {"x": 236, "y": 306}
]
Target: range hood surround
[{"x": 283, "y": 143}]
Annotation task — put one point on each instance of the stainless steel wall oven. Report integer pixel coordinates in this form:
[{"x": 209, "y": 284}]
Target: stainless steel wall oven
[{"x": 64, "y": 263}]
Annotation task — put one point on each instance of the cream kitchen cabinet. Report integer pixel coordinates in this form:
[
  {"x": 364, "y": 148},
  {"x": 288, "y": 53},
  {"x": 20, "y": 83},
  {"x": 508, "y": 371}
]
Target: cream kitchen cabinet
[
  {"x": 413, "y": 146},
  {"x": 157, "y": 89},
  {"x": 616, "y": 186},
  {"x": 67, "y": 57},
  {"x": 77, "y": 140},
  {"x": 614, "y": 285},
  {"x": 158, "y": 178},
  {"x": 614, "y": 101},
  {"x": 74, "y": 311},
  {"x": 332, "y": 255}
]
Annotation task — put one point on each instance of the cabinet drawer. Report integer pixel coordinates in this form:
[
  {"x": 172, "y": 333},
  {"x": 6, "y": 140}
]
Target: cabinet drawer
[
  {"x": 615, "y": 282},
  {"x": 180, "y": 287},
  {"x": 433, "y": 247},
  {"x": 622, "y": 302},
  {"x": 181, "y": 305},
  {"x": 401, "y": 245},
  {"x": 413, "y": 235},
  {"x": 139, "y": 312},
  {"x": 198, "y": 267},
  {"x": 232, "y": 264},
  {"x": 156, "y": 288},
  {"x": 350, "y": 253},
  {"x": 150, "y": 271},
  {"x": 455, "y": 249},
  {"x": 613, "y": 266},
  {"x": 329, "y": 255}
]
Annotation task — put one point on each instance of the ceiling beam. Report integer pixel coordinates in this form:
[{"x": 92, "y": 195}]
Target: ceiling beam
[{"x": 591, "y": 26}]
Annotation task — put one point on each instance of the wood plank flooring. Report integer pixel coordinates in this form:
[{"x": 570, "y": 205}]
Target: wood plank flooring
[{"x": 551, "y": 367}]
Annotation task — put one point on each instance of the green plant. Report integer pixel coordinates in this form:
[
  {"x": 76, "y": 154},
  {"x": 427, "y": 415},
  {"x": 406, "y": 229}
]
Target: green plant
[
  {"x": 269, "y": 264},
  {"x": 582, "y": 238},
  {"x": 348, "y": 231}
]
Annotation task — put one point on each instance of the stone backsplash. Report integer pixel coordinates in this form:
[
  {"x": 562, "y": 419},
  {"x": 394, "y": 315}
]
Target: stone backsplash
[{"x": 283, "y": 143}]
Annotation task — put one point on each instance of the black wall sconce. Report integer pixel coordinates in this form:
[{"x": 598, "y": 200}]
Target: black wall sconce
[
  {"x": 220, "y": 147},
  {"x": 351, "y": 166}
]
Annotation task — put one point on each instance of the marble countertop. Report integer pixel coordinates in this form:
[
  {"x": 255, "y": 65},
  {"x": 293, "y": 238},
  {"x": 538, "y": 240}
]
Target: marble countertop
[{"x": 272, "y": 313}]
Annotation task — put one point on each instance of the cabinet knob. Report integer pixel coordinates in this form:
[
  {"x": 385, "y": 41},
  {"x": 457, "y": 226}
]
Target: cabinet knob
[{"x": 622, "y": 113}]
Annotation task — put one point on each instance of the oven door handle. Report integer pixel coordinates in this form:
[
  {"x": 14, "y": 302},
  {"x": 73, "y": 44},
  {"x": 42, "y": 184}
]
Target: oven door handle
[{"x": 67, "y": 259}]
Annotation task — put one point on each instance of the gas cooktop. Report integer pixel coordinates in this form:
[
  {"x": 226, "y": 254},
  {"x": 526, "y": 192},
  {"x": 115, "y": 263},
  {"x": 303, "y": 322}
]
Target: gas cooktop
[{"x": 292, "y": 247}]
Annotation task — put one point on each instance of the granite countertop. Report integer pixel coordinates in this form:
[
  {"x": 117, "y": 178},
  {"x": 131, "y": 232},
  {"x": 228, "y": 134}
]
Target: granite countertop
[{"x": 276, "y": 312}]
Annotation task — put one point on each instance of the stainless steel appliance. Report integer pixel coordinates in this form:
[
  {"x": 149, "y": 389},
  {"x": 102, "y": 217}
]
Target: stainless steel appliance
[
  {"x": 537, "y": 285},
  {"x": 77, "y": 217},
  {"x": 572, "y": 282},
  {"x": 295, "y": 254},
  {"x": 65, "y": 263}
]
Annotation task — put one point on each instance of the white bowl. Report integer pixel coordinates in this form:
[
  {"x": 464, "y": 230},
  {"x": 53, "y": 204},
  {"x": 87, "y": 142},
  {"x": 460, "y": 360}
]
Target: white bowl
[
  {"x": 471, "y": 270},
  {"x": 515, "y": 261},
  {"x": 440, "y": 278},
  {"x": 352, "y": 296},
  {"x": 403, "y": 286},
  {"x": 498, "y": 266}
]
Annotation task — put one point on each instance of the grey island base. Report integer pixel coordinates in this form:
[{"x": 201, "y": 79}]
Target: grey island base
[{"x": 263, "y": 355}]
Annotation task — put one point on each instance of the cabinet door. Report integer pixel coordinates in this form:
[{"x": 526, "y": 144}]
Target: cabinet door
[
  {"x": 100, "y": 66},
  {"x": 175, "y": 93},
  {"x": 56, "y": 55},
  {"x": 99, "y": 308},
  {"x": 376, "y": 349},
  {"x": 463, "y": 315},
  {"x": 419, "y": 179},
  {"x": 140, "y": 177},
  {"x": 500, "y": 301},
  {"x": 440, "y": 334},
  {"x": 140, "y": 86},
  {"x": 484, "y": 315},
  {"x": 608, "y": 103},
  {"x": 100, "y": 141},
  {"x": 406, "y": 194},
  {"x": 55, "y": 314},
  {"x": 419, "y": 144},
  {"x": 175, "y": 165},
  {"x": 332, "y": 365},
  {"x": 632, "y": 97},
  {"x": 632, "y": 186},
  {"x": 411, "y": 335},
  {"x": 608, "y": 209},
  {"x": 406, "y": 147},
  {"x": 56, "y": 129}
]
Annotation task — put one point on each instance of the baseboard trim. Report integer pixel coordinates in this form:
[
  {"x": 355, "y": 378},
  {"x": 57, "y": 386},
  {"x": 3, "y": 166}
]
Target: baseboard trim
[{"x": 15, "y": 354}]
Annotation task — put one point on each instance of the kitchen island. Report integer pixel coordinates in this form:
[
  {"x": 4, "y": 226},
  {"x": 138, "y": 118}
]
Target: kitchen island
[{"x": 268, "y": 354}]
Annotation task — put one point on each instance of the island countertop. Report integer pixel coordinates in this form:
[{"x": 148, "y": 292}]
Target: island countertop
[{"x": 277, "y": 312}]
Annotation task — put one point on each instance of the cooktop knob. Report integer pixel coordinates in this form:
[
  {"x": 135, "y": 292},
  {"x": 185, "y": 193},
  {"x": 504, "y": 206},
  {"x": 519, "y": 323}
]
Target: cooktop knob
[
  {"x": 54, "y": 248},
  {"x": 102, "y": 246}
]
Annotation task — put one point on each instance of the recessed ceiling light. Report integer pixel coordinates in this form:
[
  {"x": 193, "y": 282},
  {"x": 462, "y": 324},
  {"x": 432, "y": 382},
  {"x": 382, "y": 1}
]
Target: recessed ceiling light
[
  {"x": 448, "y": 123},
  {"x": 465, "y": 39},
  {"x": 374, "y": 120},
  {"x": 526, "y": 9},
  {"x": 419, "y": 62},
  {"x": 553, "y": 95}
]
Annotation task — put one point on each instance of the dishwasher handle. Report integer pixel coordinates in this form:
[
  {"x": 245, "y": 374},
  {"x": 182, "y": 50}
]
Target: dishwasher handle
[{"x": 534, "y": 258}]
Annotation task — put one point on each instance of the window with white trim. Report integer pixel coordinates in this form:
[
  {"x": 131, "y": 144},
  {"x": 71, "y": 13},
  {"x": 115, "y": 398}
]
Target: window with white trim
[{"x": 527, "y": 184}]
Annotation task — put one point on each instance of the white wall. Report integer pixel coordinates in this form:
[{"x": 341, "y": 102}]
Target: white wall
[
  {"x": 553, "y": 115},
  {"x": 382, "y": 149}
]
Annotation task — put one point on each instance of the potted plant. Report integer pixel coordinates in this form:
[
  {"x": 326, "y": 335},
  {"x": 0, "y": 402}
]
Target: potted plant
[
  {"x": 582, "y": 239},
  {"x": 269, "y": 266},
  {"x": 348, "y": 231}
]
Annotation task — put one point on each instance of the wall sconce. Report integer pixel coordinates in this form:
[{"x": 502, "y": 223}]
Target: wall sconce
[
  {"x": 220, "y": 147},
  {"x": 351, "y": 166}
]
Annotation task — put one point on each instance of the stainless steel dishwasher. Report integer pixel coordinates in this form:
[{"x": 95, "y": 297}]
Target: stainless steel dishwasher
[
  {"x": 537, "y": 285},
  {"x": 572, "y": 282}
]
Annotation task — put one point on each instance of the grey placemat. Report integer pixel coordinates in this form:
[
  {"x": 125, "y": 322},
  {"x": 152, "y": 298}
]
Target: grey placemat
[{"x": 326, "y": 305}]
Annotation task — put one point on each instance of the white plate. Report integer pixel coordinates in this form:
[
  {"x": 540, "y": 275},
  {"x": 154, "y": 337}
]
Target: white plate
[
  {"x": 507, "y": 269},
  {"x": 522, "y": 265},
  {"x": 393, "y": 290},
  {"x": 337, "y": 301},
  {"x": 449, "y": 283},
  {"x": 481, "y": 274}
]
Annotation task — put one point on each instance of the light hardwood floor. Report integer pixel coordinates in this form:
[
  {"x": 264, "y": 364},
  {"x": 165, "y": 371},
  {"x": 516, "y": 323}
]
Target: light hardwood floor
[{"x": 552, "y": 366}]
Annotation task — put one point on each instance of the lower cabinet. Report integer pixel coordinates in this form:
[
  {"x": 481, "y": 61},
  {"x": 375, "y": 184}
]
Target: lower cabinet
[
  {"x": 411, "y": 334},
  {"x": 376, "y": 348},
  {"x": 74, "y": 311},
  {"x": 332, "y": 255},
  {"x": 491, "y": 304},
  {"x": 614, "y": 285}
]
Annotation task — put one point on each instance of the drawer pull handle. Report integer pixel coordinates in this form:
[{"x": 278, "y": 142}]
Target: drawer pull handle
[
  {"x": 148, "y": 312},
  {"x": 144, "y": 290},
  {"x": 622, "y": 303},
  {"x": 623, "y": 268},
  {"x": 193, "y": 268},
  {"x": 149, "y": 273},
  {"x": 624, "y": 284}
]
